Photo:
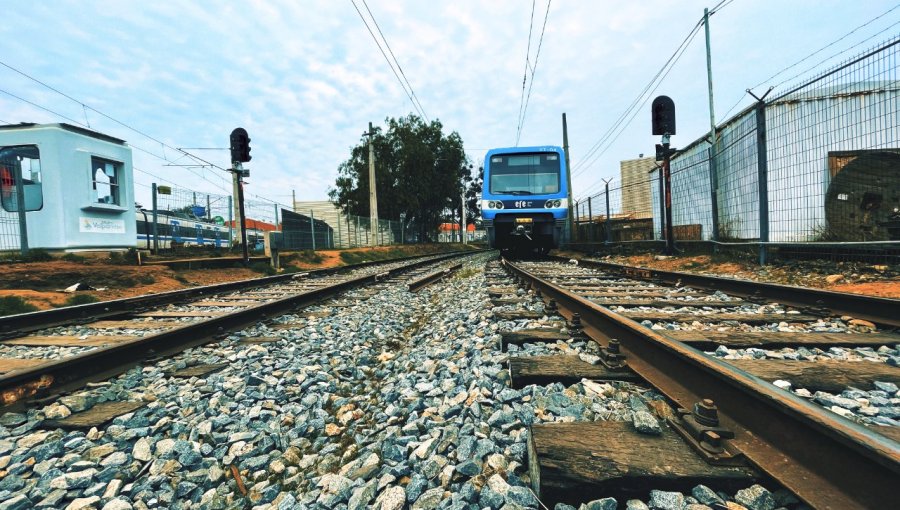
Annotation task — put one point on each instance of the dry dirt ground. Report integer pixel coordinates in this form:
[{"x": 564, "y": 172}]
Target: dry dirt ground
[
  {"x": 852, "y": 277},
  {"x": 41, "y": 283}
]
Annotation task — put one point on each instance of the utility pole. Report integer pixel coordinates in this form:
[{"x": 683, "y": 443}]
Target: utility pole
[
  {"x": 373, "y": 197},
  {"x": 294, "y": 200},
  {"x": 570, "y": 220},
  {"x": 240, "y": 153},
  {"x": 713, "y": 137},
  {"x": 663, "y": 120},
  {"x": 463, "y": 209},
  {"x": 608, "y": 217}
]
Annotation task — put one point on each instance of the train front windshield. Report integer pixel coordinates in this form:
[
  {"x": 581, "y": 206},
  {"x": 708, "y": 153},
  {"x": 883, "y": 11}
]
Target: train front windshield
[{"x": 524, "y": 174}]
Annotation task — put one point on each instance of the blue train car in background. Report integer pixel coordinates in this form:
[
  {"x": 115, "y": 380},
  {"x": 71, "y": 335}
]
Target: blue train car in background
[{"x": 525, "y": 198}]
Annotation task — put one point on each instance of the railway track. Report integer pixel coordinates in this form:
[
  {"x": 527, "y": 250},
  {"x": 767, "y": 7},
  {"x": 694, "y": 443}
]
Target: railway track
[
  {"x": 650, "y": 326},
  {"x": 46, "y": 353},
  {"x": 467, "y": 392}
]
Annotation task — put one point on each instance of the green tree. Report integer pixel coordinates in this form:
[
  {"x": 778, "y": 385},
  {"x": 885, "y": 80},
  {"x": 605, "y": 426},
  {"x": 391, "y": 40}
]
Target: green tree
[
  {"x": 473, "y": 196},
  {"x": 419, "y": 174}
]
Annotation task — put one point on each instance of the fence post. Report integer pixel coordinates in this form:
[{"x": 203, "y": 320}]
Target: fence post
[
  {"x": 590, "y": 222},
  {"x": 208, "y": 209},
  {"x": 662, "y": 206},
  {"x": 714, "y": 193},
  {"x": 762, "y": 165},
  {"x": 230, "y": 223},
  {"x": 608, "y": 217},
  {"x": 339, "y": 233},
  {"x": 312, "y": 228},
  {"x": 155, "y": 226}
]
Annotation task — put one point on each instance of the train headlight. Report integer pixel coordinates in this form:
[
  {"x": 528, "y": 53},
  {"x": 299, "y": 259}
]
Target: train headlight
[
  {"x": 556, "y": 203},
  {"x": 498, "y": 204}
]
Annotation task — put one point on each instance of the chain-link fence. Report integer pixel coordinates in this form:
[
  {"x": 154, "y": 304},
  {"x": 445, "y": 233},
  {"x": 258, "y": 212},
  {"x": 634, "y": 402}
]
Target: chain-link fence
[
  {"x": 813, "y": 168},
  {"x": 180, "y": 217}
]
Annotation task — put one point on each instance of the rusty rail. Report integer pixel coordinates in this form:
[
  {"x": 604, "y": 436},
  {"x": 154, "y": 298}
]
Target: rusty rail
[
  {"x": 432, "y": 277},
  {"x": 829, "y": 461},
  {"x": 73, "y": 372},
  {"x": 884, "y": 311}
]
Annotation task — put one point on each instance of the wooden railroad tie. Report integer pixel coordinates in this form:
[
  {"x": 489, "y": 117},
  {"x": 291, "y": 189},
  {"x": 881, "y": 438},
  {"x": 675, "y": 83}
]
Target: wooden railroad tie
[
  {"x": 518, "y": 314},
  {"x": 177, "y": 314},
  {"x": 660, "y": 303},
  {"x": 550, "y": 335},
  {"x": 766, "y": 339},
  {"x": 745, "y": 318},
  {"x": 566, "y": 369},
  {"x": 95, "y": 416},
  {"x": 71, "y": 340},
  {"x": 824, "y": 375},
  {"x": 577, "y": 462}
]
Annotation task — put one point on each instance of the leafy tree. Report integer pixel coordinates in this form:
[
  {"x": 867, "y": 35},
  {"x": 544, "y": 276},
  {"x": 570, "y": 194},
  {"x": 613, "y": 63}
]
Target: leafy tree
[
  {"x": 473, "y": 197},
  {"x": 419, "y": 174}
]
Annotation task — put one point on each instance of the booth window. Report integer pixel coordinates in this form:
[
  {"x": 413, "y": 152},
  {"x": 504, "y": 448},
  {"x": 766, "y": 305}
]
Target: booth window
[
  {"x": 105, "y": 181},
  {"x": 24, "y": 160}
]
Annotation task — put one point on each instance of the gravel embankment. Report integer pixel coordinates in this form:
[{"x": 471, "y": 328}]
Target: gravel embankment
[{"x": 397, "y": 400}]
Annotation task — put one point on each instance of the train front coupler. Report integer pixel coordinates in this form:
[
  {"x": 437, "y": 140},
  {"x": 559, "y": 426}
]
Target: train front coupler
[{"x": 521, "y": 231}]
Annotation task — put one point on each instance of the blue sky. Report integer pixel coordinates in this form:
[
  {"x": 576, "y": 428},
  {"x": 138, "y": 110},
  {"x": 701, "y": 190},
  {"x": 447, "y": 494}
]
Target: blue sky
[{"x": 305, "y": 77}]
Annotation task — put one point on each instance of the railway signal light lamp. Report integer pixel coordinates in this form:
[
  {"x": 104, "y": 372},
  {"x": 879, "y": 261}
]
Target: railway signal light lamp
[
  {"x": 240, "y": 146},
  {"x": 662, "y": 113},
  {"x": 663, "y": 110}
]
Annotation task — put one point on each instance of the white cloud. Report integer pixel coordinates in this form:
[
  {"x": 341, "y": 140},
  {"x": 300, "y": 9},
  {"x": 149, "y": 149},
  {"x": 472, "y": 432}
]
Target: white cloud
[{"x": 305, "y": 78}]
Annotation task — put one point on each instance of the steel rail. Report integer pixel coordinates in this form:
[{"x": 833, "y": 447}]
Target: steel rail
[
  {"x": 828, "y": 461},
  {"x": 431, "y": 278},
  {"x": 17, "y": 325},
  {"x": 73, "y": 372},
  {"x": 884, "y": 311}
]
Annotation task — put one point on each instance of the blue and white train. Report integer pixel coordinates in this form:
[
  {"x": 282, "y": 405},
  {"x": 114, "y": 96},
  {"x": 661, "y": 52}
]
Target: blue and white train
[
  {"x": 525, "y": 198},
  {"x": 177, "y": 230}
]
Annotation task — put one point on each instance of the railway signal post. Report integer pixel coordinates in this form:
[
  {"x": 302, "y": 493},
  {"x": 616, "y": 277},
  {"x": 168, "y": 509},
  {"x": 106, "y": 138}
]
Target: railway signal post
[
  {"x": 373, "y": 197},
  {"x": 240, "y": 153},
  {"x": 663, "y": 116}
]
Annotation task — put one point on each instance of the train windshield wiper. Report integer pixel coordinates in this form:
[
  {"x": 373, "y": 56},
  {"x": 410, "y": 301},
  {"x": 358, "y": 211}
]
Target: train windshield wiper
[{"x": 517, "y": 192}]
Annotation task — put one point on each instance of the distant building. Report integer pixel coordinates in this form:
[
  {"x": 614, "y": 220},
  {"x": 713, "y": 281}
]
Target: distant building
[
  {"x": 635, "y": 175},
  {"x": 78, "y": 188},
  {"x": 349, "y": 231},
  {"x": 449, "y": 233}
]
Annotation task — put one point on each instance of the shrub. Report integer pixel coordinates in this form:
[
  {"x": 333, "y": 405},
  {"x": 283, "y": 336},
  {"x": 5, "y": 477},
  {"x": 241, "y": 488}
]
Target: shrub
[
  {"x": 80, "y": 299},
  {"x": 37, "y": 255},
  {"x": 11, "y": 305},
  {"x": 71, "y": 257},
  {"x": 263, "y": 267}
]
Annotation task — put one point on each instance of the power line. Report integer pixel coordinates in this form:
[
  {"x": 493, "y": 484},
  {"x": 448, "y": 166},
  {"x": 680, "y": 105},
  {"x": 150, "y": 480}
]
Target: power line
[
  {"x": 421, "y": 108},
  {"x": 638, "y": 102},
  {"x": 795, "y": 64},
  {"x": 612, "y": 134},
  {"x": 409, "y": 93},
  {"x": 42, "y": 108},
  {"x": 87, "y": 125},
  {"x": 525, "y": 74},
  {"x": 533, "y": 70}
]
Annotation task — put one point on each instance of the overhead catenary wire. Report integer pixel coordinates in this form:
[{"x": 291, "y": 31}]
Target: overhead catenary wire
[
  {"x": 98, "y": 112},
  {"x": 624, "y": 121},
  {"x": 409, "y": 93},
  {"x": 823, "y": 48},
  {"x": 397, "y": 62},
  {"x": 537, "y": 56},
  {"x": 612, "y": 134},
  {"x": 525, "y": 73},
  {"x": 87, "y": 125}
]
